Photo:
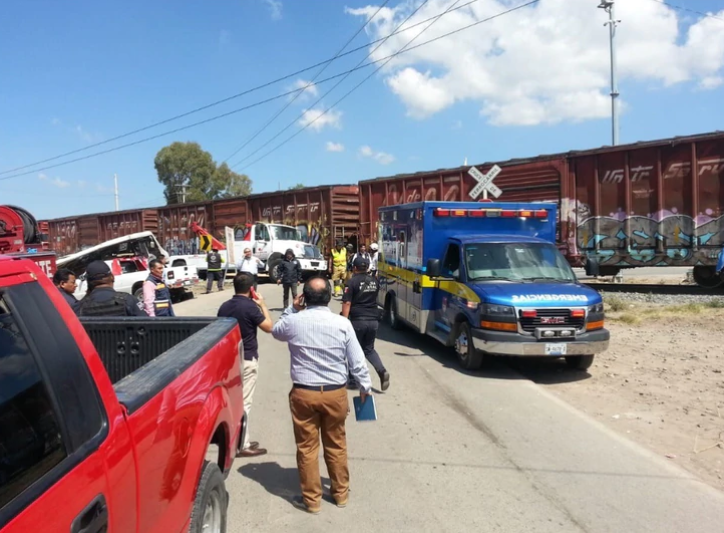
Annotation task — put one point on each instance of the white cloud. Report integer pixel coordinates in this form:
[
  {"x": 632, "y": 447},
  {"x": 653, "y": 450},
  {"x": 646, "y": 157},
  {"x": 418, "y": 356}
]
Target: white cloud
[
  {"x": 381, "y": 157},
  {"x": 310, "y": 92},
  {"x": 543, "y": 64},
  {"x": 275, "y": 7},
  {"x": 335, "y": 147},
  {"x": 56, "y": 182},
  {"x": 318, "y": 121}
]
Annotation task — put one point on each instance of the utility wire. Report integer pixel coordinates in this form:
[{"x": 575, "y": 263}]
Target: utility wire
[
  {"x": 218, "y": 102},
  {"x": 256, "y": 104},
  {"x": 333, "y": 88},
  {"x": 259, "y": 131},
  {"x": 706, "y": 15},
  {"x": 402, "y": 50}
]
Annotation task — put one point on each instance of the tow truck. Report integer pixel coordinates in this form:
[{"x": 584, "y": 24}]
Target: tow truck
[{"x": 487, "y": 279}]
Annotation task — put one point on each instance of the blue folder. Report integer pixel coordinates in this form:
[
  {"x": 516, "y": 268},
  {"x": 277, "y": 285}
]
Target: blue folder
[{"x": 365, "y": 412}]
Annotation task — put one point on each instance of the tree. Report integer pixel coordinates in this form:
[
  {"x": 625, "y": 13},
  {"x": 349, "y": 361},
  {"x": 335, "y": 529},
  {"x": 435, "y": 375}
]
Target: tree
[
  {"x": 297, "y": 186},
  {"x": 230, "y": 184},
  {"x": 185, "y": 167}
]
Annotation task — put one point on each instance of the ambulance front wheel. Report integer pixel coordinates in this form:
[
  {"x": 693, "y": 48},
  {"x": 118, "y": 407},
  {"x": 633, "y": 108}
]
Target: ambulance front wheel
[
  {"x": 393, "y": 319},
  {"x": 468, "y": 356}
]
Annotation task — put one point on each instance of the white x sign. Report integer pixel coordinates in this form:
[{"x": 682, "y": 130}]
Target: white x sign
[{"x": 485, "y": 182}]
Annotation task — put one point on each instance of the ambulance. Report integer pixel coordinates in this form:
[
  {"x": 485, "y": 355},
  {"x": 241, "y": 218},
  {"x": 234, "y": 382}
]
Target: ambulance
[{"x": 487, "y": 279}]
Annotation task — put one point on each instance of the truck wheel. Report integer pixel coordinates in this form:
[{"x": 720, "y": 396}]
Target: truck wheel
[
  {"x": 211, "y": 502},
  {"x": 468, "y": 356},
  {"x": 138, "y": 291},
  {"x": 579, "y": 362},
  {"x": 393, "y": 319},
  {"x": 706, "y": 276}
]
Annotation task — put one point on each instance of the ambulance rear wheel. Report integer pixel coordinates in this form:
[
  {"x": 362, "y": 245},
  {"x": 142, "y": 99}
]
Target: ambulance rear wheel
[
  {"x": 468, "y": 356},
  {"x": 393, "y": 318}
]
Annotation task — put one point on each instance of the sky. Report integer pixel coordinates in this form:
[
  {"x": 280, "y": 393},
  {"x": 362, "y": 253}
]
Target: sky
[{"x": 532, "y": 81}]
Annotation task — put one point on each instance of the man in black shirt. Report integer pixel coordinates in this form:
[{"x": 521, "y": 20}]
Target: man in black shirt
[
  {"x": 251, "y": 313},
  {"x": 102, "y": 299},
  {"x": 359, "y": 304},
  {"x": 64, "y": 279},
  {"x": 290, "y": 274}
]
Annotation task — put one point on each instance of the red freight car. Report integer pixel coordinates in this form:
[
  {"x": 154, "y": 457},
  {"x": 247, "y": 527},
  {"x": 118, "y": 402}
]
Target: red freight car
[
  {"x": 321, "y": 214},
  {"x": 173, "y": 226},
  {"x": 657, "y": 203}
]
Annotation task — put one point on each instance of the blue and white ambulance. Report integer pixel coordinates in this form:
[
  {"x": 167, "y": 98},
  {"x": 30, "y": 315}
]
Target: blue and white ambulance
[{"x": 487, "y": 278}]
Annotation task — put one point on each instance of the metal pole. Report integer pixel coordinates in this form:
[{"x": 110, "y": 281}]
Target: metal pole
[
  {"x": 115, "y": 187},
  {"x": 608, "y": 6}
]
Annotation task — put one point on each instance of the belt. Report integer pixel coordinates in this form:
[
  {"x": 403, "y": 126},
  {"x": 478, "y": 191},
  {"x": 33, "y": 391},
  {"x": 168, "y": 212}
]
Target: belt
[{"x": 319, "y": 388}]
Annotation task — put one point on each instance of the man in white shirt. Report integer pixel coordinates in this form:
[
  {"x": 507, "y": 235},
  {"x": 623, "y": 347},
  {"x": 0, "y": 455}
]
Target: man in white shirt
[{"x": 250, "y": 264}]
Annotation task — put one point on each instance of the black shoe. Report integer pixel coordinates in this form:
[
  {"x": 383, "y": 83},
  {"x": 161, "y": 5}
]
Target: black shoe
[{"x": 385, "y": 380}]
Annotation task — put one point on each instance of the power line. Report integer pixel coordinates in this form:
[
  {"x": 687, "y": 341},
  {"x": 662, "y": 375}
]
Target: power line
[
  {"x": 218, "y": 102},
  {"x": 332, "y": 89},
  {"x": 404, "y": 49},
  {"x": 258, "y": 132},
  {"x": 681, "y": 8},
  {"x": 250, "y": 106}
]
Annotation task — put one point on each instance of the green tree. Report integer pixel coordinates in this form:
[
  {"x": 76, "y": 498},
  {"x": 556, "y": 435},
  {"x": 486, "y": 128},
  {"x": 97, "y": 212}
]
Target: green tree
[
  {"x": 297, "y": 186},
  {"x": 187, "y": 167},
  {"x": 229, "y": 184}
]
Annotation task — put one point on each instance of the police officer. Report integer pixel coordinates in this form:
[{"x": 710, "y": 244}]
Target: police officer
[
  {"x": 213, "y": 271},
  {"x": 359, "y": 304},
  {"x": 156, "y": 295},
  {"x": 101, "y": 299}
]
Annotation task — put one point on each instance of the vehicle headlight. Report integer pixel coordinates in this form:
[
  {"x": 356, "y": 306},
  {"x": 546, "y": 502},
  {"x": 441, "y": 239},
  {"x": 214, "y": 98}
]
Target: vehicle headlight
[
  {"x": 596, "y": 308},
  {"x": 495, "y": 309}
]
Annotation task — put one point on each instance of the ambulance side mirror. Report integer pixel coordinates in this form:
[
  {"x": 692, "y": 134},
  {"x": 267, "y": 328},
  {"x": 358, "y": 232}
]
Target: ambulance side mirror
[{"x": 433, "y": 268}]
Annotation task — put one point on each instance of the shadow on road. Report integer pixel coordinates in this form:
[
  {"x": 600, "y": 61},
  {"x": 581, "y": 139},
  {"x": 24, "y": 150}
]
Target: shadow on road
[
  {"x": 537, "y": 369},
  {"x": 278, "y": 481}
]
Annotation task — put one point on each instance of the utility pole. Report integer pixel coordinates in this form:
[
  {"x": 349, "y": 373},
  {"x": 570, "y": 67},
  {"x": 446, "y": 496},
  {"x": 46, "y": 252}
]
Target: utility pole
[
  {"x": 115, "y": 188},
  {"x": 607, "y": 5},
  {"x": 183, "y": 192}
]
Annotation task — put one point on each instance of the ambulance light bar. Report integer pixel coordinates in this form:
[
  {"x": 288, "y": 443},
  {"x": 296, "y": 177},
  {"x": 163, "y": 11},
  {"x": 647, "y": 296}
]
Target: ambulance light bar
[{"x": 488, "y": 213}]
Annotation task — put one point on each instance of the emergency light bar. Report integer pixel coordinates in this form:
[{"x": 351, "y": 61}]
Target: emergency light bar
[{"x": 488, "y": 213}]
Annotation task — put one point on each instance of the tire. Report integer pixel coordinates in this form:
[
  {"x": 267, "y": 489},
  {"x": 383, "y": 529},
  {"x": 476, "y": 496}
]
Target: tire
[
  {"x": 579, "y": 362},
  {"x": 393, "y": 319},
  {"x": 138, "y": 291},
  {"x": 211, "y": 502},
  {"x": 468, "y": 357},
  {"x": 271, "y": 267},
  {"x": 179, "y": 263},
  {"x": 705, "y": 276}
]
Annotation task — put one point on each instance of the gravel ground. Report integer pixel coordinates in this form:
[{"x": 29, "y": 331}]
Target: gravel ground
[{"x": 665, "y": 299}]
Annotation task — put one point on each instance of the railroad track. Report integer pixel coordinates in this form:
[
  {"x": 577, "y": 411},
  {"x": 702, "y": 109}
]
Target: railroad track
[{"x": 648, "y": 288}]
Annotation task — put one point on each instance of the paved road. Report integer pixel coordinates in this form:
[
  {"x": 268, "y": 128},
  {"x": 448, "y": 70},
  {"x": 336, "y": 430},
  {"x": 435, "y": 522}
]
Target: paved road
[{"x": 455, "y": 451}]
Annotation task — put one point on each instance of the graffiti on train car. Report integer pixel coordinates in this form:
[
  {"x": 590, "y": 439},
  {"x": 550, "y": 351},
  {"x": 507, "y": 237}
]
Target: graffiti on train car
[{"x": 176, "y": 237}]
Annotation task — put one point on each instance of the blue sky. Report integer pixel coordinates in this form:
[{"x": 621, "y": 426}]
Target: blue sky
[{"x": 77, "y": 73}]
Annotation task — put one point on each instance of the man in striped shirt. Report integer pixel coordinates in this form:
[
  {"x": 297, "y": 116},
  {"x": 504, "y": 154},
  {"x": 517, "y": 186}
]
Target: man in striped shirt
[{"x": 322, "y": 346}]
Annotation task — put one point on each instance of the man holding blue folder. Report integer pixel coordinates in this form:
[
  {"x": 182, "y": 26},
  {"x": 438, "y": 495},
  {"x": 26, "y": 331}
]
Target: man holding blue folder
[{"x": 322, "y": 345}]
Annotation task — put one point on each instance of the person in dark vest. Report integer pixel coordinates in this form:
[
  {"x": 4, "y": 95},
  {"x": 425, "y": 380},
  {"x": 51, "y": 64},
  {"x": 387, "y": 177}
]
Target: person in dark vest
[
  {"x": 213, "y": 270},
  {"x": 102, "y": 299},
  {"x": 156, "y": 295},
  {"x": 290, "y": 274}
]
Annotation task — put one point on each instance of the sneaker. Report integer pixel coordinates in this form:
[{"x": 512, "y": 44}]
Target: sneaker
[
  {"x": 341, "y": 504},
  {"x": 298, "y": 503},
  {"x": 385, "y": 380}
]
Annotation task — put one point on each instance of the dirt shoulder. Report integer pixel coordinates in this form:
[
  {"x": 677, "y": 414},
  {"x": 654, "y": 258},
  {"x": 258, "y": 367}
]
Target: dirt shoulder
[{"x": 661, "y": 383}]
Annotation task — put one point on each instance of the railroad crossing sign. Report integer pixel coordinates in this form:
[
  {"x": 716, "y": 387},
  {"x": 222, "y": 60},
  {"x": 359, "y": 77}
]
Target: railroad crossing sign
[
  {"x": 205, "y": 243},
  {"x": 485, "y": 182}
]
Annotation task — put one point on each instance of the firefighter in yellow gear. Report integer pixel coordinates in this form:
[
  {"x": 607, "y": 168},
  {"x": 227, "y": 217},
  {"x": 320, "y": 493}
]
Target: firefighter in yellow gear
[{"x": 339, "y": 267}]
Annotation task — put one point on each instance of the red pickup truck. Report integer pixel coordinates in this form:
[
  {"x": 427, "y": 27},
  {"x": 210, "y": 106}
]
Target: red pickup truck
[{"x": 112, "y": 424}]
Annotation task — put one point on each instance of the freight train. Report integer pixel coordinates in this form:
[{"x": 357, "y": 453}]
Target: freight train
[{"x": 655, "y": 203}]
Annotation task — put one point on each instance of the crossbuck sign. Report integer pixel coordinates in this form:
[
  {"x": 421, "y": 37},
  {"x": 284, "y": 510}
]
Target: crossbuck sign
[{"x": 485, "y": 182}]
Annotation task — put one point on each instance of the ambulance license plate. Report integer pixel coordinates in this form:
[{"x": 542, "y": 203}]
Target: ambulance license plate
[
  {"x": 187, "y": 282},
  {"x": 556, "y": 349}
]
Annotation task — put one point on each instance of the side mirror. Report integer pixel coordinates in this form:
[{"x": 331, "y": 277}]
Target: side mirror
[{"x": 433, "y": 268}]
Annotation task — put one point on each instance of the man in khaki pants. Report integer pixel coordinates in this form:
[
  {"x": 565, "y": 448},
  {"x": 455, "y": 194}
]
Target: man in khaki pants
[
  {"x": 322, "y": 345},
  {"x": 249, "y": 309}
]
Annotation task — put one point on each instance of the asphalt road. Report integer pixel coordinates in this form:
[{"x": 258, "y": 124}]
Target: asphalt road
[{"x": 456, "y": 451}]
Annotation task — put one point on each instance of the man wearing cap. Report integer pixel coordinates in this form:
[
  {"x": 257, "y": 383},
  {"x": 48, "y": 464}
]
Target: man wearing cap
[
  {"x": 213, "y": 270},
  {"x": 359, "y": 304},
  {"x": 102, "y": 299}
]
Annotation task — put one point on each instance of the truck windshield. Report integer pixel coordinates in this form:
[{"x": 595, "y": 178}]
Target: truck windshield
[
  {"x": 312, "y": 252},
  {"x": 284, "y": 233},
  {"x": 516, "y": 262}
]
